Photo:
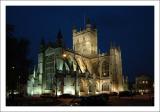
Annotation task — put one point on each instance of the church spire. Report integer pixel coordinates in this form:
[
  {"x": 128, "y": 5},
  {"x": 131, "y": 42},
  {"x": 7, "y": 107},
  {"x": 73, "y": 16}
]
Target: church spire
[
  {"x": 42, "y": 45},
  {"x": 59, "y": 35},
  {"x": 88, "y": 23},
  {"x": 88, "y": 20},
  {"x": 74, "y": 29},
  {"x": 34, "y": 72},
  {"x": 59, "y": 41}
]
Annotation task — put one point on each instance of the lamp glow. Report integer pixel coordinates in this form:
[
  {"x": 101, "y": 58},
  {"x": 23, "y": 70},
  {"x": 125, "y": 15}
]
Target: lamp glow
[{"x": 64, "y": 55}]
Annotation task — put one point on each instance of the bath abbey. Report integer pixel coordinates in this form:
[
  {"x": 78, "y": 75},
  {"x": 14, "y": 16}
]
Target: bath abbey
[{"x": 82, "y": 70}]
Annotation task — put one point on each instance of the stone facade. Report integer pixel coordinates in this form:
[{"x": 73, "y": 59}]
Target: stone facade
[
  {"x": 81, "y": 71},
  {"x": 143, "y": 84},
  {"x": 85, "y": 41}
]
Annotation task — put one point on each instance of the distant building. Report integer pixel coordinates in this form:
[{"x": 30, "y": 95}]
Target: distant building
[
  {"x": 143, "y": 84},
  {"x": 81, "y": 71}
]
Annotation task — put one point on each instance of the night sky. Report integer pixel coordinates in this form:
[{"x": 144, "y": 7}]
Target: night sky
[{"x": 130, "y": 27}]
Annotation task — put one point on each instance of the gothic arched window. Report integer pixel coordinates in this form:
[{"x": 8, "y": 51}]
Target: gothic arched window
[{"x": 105, "y": 69}]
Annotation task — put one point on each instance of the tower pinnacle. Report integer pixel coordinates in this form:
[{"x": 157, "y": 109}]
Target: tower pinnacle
[
  {"x": 59, "y": 41},
  {"x": 42, "y": 45},
  {"x": 88, "y": 24},
  {"x": 88, "y": 20}
]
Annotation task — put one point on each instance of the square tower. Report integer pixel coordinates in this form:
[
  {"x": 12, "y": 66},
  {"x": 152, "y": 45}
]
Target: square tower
[{"x": 85, "y": 41}]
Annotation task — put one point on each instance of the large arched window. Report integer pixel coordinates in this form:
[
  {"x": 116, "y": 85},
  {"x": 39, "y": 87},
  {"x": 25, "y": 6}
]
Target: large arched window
[
  {"x": 105, "y": 69},
  {"x": 105, "y": 87}
]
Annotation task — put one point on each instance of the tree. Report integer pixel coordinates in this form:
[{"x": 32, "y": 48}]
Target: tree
[{"x": 17, "y": 63}]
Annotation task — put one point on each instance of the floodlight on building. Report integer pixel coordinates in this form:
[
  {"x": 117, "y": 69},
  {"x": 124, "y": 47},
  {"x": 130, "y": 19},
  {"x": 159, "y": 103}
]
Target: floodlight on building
[
  {"x": 69, "y": 90},
  {"x": 97, "y": 92},
  {"x": 64, "y": 55},
  {"x": 58, "y": 93}
]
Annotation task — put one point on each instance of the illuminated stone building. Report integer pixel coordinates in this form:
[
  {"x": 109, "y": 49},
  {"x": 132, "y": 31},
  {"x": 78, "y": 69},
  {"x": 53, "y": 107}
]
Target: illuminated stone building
[
  {"x": 143, "y": 84},
  {"x": 81, "y": 71}
]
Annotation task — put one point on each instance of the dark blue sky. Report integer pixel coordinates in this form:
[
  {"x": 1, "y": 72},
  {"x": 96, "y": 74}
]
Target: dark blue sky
[{"x": 130, "y": 27}]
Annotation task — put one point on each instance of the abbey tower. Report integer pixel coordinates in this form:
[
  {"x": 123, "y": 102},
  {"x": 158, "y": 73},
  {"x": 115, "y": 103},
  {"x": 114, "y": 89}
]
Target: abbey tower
[{"x": 85, "y": 41}]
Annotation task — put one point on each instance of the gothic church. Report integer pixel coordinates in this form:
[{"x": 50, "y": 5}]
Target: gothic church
[{"x": 81, "y": 70}]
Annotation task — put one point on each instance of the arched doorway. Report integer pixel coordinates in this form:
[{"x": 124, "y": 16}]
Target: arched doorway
[{"x": 105, "y": 87}]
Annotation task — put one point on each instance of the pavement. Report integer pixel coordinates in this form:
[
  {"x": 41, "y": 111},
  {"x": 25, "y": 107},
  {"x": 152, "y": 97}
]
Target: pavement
[{"x": 138, "y": 100}]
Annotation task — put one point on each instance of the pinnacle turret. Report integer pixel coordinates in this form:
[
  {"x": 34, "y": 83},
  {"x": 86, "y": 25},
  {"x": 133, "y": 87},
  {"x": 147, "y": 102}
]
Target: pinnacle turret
[
  {"x": 42, "y": 45},
  {"x": 59, "y": 40}
]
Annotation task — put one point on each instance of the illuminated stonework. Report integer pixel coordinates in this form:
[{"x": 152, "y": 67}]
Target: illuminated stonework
[
  {"x": 81, "y": 71},
  {"x": 85, "y": 41}
]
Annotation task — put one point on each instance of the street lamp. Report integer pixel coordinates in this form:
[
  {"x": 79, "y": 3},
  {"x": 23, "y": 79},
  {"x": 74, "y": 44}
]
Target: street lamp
[{"x": 13, "y": 67}]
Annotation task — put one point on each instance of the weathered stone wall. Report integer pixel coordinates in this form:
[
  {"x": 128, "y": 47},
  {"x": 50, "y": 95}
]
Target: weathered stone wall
[{"x": 85, "y": 42}]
